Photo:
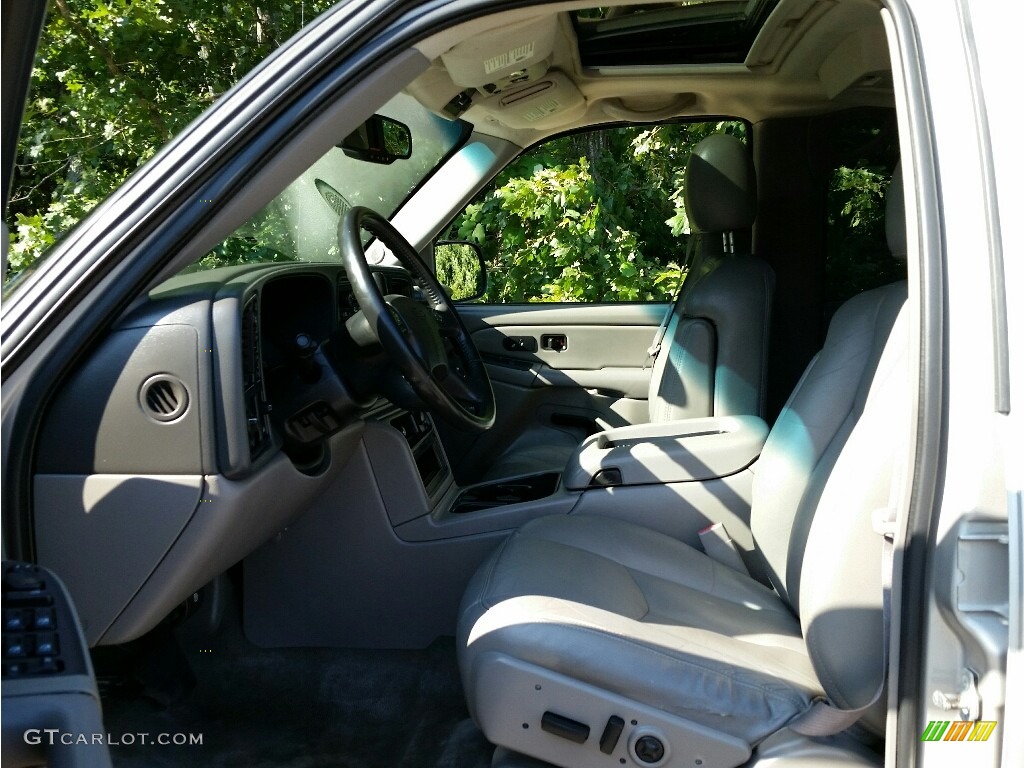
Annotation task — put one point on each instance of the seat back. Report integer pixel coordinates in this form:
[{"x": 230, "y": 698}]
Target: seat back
[
  {"x": 825, "y": 470},
  {"x": 713, "y": 355}
]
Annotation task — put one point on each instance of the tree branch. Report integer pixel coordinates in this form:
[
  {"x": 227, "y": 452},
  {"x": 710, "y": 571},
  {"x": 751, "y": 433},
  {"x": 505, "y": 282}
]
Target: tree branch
[{"x": 112, "y": 66}]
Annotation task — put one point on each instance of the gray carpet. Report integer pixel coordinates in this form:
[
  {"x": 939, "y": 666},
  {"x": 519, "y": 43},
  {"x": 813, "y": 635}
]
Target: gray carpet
[{"x": 305, "y": 708}]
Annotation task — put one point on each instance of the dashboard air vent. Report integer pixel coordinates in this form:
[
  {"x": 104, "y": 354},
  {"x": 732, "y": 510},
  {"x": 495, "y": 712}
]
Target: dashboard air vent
[
  {"x": 164, "y": 398},
  {"x": 254, "y": 398}
]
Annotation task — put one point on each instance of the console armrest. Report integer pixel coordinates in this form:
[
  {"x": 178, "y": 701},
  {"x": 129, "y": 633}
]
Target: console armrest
[{"x": 667, "y": 452}]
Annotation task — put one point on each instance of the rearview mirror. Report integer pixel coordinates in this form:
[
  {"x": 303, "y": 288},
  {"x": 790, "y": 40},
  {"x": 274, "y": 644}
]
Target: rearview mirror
[
  {"x": 379, "y": 140},
  {"x": 459, "y": 267}
]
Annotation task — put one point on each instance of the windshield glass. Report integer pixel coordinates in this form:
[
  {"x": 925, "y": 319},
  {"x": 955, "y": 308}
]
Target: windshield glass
[
  {"x": 114, "y": 81},
  {"x": 301, "y": 223}
]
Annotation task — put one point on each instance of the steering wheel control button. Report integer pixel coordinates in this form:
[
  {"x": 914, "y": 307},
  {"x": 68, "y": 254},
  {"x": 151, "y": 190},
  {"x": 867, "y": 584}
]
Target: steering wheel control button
[
  {"x": 612, "y": 732},
  {"x": 565, "y": 727},
  {"x": 649, "y": 749}
]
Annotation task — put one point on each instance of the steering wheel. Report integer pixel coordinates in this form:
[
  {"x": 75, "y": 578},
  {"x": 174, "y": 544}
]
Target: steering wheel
[{"x": 450, "y": 379}]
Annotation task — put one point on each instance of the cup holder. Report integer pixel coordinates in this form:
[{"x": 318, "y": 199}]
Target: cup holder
[{"x": 504, "y": 492}]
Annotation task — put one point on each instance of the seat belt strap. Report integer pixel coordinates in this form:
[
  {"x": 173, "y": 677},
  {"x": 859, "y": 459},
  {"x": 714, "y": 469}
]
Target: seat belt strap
[{"x": 659, "y": 335}]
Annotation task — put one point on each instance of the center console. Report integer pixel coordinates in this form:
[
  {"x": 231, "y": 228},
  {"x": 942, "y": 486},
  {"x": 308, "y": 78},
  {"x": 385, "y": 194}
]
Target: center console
[
  {"x": 427, "y": 453},
  {"x": 382, "y": 556},
  {"x": 517, "y": 490}
]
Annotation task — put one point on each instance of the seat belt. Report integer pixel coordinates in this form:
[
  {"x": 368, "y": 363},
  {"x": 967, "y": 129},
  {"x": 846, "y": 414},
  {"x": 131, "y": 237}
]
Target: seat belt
[{"x": 659, "y": 335}]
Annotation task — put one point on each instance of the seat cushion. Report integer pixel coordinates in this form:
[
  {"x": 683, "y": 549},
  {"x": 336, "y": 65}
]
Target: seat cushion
[{"x": 628, "y": 610}]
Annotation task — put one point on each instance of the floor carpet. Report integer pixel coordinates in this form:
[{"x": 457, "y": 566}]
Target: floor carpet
[{"x": 302, "y": 708}]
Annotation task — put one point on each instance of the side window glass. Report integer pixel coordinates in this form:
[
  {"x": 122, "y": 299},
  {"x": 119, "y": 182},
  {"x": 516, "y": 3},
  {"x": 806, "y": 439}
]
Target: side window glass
[
  {"x": 589, "y": 217},
  {"x": 857, "y": 257}
]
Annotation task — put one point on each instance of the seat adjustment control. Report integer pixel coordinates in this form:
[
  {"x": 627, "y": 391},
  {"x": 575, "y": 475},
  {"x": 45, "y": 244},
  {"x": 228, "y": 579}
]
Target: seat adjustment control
[
  {"x": 612, "y": 732},
  {"x": 649, "y": 749},
  {"x": 565, "y": 727}
]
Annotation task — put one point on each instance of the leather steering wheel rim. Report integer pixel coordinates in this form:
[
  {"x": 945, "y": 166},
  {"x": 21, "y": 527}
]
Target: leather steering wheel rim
[{"x": 386, "y": 328}]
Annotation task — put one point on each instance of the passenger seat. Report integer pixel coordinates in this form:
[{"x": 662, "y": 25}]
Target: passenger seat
[
  {"x": 587, "y": 640},
  {"x": 712, "y": 360}
]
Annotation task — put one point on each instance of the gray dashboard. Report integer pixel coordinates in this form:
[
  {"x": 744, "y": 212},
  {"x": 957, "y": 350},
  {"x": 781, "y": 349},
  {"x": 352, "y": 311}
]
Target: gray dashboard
[{"x": 178, "y": 445}]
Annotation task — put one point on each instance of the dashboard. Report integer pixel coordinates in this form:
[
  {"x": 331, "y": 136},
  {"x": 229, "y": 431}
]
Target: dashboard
[{"x": 203, "y": 423}]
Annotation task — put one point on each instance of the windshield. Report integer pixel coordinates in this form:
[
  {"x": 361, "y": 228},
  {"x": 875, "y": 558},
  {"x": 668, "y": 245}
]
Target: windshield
[{"x": 301, "y": 223}]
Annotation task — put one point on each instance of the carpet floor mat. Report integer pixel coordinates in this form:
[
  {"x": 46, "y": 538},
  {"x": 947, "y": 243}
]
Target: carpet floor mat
[{"x": 301, "y": 708}]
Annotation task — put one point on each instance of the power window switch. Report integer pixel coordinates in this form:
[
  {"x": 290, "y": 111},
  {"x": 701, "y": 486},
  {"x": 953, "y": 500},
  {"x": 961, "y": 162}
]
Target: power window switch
[
  {"x": 14, "y": 620},
  {"x": 16, "y": 647},
  {"x": 47, "y": 645},
  {"x": 43, "y": 620}
]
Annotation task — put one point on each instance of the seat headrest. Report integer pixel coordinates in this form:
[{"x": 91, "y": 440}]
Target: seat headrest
[
  {"x": 896, "y": 215},
  {"x": 721, "y": 189}
]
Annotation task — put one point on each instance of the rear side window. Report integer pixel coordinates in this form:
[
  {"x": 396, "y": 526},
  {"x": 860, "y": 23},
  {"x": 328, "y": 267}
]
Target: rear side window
[
  {"x": 595, "y": 216},
  {"x": 865, "y": 150}
]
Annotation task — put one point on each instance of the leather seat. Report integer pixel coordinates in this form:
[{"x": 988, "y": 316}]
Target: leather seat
[
  {"x": 581, "y": 626},
  {"x": 713, "y": 357}
]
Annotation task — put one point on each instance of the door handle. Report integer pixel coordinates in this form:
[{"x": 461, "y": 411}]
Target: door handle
[{"x": 556, "y": 342}]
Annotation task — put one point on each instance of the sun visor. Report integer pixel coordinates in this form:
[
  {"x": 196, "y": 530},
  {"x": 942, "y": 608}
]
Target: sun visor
[
  {"x": 497, "y": 58},
  {"x": 552, "y": 101}
]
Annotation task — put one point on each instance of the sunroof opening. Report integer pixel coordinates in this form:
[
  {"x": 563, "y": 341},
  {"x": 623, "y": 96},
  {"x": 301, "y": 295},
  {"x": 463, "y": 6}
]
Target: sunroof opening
[{"x": 686, "y": 32}]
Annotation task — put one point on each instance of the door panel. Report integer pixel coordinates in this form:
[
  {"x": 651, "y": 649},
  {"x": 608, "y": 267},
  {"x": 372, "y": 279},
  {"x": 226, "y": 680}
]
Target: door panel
[{"x": 548, "y": 393}]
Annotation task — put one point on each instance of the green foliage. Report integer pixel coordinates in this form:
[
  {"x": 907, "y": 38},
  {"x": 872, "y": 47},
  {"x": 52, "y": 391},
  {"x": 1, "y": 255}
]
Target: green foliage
[
  {"x": 114, "y": 80},
  {"x": 858, "y": 258},
  {"x": 457, "y": 268},
  {"x": 594, "y": 216}
]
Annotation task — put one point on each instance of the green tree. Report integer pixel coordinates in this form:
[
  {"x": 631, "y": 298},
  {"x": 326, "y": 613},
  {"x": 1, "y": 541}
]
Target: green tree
[
  {"x": 457, "y": 268},
  {"x": 115, "y": 80},
  {"x": 865, "y": 148},
  {"x": 594, "y": 216}
]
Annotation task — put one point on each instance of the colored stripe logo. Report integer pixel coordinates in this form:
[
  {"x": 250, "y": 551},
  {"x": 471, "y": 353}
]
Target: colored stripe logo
[{"x": 944, "y": 730}]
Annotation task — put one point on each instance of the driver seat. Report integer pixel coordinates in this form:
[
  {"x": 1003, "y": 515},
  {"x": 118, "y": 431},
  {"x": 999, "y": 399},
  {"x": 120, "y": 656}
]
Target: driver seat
[{"x": 589, "y": 641}]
